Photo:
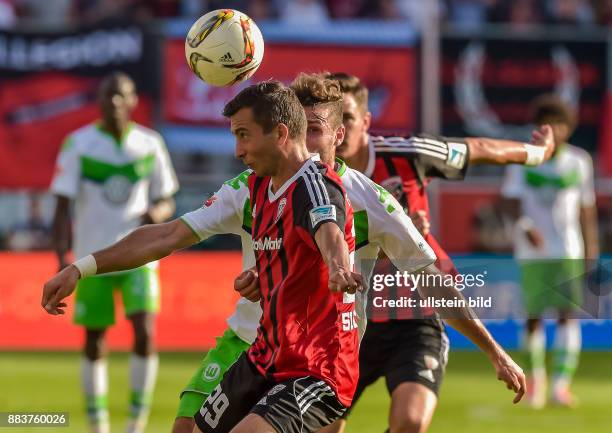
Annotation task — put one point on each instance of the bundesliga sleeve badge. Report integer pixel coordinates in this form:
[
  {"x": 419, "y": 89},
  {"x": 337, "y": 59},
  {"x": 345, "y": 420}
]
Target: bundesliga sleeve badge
[{"x": 322, "y": 213}]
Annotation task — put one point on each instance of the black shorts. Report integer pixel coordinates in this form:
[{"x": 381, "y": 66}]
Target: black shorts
[
  {"x": 303, "y": 404},
  {"x": 413, "y": 350}
]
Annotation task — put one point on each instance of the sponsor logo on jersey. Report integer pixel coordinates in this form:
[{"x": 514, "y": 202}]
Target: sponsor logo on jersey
[
  {"x": 211, "y": 372},
  {"x": 210, "y": 201},
  {"x": 117, "y": 189},
  {"x": 456, "y": 154},
  {"x": 322, "y": 213},
  {"x": 268, "y": 244},
  {"x": 281, "y": 207}
]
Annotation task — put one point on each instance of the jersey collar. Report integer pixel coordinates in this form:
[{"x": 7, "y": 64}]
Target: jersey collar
[
  {"x": 273, "y": 196},
  {"x": 340, "y": 167},
  {"x": 123, "y": 137},
  {"x": 371, "y": 158}
]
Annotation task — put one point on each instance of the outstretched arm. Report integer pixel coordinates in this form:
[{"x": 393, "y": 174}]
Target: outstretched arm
[
  {"x": 464, "y": 320},
  {"x": 143, "y": 245},
  {"x": 494, "y": 151},
  {"x": 61, "y": 230}
]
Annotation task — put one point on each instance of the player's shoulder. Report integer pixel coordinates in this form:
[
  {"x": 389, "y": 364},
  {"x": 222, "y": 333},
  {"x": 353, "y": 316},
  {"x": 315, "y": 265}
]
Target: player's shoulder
[
  {"x": 146, "y": 132},
  {"x": 578, "y": 153},
  {"x": 79, "y": 139},
  {"x": 316, "y": 184},
  {"x": 241, "y": 181}
]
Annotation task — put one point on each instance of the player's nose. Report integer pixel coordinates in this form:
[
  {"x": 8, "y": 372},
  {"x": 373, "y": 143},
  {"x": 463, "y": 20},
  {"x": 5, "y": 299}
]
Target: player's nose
[{"x": 239, "y": 151}]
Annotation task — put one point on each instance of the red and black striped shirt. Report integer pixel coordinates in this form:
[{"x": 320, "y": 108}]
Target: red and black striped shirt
[
  {"x": 403, "y": 166},
  {"x": 303, "y": 328}
]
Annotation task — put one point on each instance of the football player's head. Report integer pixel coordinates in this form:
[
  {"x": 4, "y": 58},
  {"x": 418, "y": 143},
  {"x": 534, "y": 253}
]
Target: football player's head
[
  {"x": 322, "y": 102},
  {"x": 117, "y": 98},
  {"x": 550, "y": 109},
  {"x": 268, "y": 121},
  {"x": 356, "y": 117}
]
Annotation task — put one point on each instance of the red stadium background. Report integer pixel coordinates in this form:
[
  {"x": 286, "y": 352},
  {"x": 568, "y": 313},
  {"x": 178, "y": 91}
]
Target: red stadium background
[{"x": 197, "y": 298}]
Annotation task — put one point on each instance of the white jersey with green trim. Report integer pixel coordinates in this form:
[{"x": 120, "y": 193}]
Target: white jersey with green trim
[
  {"x": 111, "y": 182},
  {"x": 379, "y": 223},
  {"x": 551, "y": 196}
]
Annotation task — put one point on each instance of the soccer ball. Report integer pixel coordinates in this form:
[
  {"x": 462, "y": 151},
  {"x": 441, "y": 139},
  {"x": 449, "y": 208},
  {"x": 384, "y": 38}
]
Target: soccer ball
[{"x": 224, "y": 47}]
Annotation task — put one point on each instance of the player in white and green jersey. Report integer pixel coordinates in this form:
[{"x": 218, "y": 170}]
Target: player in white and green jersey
[
  {"x": 556, "y": 232},
  {"x": 119, "y": 176}
]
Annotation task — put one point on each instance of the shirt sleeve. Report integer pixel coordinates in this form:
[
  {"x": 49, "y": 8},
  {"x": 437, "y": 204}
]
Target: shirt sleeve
[
  {"x": 222, "y": 213},
  {"x": 318, "y": 201},
  {"x": 587, "y": 183},
  {"x": 442, "y": 157},
  {"x": 163, "y": 179},
  {"x": 67, "y": 175},
  {"x": 514, "y": 182},
  {"x": 393, "y": 231}
]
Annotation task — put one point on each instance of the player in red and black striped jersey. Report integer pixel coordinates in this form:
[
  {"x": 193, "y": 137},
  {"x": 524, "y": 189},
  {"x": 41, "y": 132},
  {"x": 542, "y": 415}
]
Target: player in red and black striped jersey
[
  {"x": 301, "y": 332},
  {"x": 301, "y": 372},
  {"x": 412, "y": 354}
]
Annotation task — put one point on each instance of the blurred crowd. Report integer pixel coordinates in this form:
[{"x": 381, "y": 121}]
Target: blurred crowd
[{"x": 467, "y": 14}]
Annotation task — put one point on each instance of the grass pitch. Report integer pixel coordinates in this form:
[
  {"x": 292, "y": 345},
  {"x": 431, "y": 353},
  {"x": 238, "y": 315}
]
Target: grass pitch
[{"x": 471, "y": 401}]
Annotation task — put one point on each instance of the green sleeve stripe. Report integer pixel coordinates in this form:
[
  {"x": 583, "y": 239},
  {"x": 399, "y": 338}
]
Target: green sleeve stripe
[
  {"x": 99, "y": 171},
  {"x": 360, "y": 219},
  {"x": 247, "y": 216},
  {"x": 242, "y": 178},
  {"x": 191, "y": 228}
]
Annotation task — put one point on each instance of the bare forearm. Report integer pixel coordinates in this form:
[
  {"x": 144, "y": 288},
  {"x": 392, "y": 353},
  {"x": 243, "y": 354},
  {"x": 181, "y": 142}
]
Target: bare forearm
[
  {"x": 61, "y": 227},
  {"x": 477, "y": 333},
  {"x": 332, "y": 246},
  {"x": 460, "y": 317},
  {"x": 511, "y": 208},
  {"x": 590, "y": 232},
  {"x": 144, "y": 245},
  {"x": 493, "y": 151}
]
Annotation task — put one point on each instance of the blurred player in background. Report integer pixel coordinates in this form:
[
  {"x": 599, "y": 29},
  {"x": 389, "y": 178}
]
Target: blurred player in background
[
  {"x": 412, "y": 354},
  {"x": 556, "y": 236},
  {"x": 119, "y": 176}
]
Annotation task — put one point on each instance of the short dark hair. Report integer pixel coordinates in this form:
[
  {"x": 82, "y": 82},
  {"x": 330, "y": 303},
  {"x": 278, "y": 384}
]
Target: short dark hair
[
  {"x": 114, "y": 79},
  {"x": 272, "y": 103},
  {"x": 317, "y": 90},
  {"x": 353, "y": 85},
  {"x": 551, "y": 109}
]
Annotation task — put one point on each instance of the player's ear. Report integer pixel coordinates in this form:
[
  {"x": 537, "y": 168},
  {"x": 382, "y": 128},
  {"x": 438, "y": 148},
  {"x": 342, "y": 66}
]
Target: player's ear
[
  {"x": 282, "y": 133},
  {"x": 340, "y": 132},
  {"x": 367, "y": 121}
]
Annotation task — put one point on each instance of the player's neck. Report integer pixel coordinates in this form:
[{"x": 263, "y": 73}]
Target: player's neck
[
  {"x": 360, "y": 160},
  {"x": 116, "y": 129},
  {"x": 289, "y": 165}
]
